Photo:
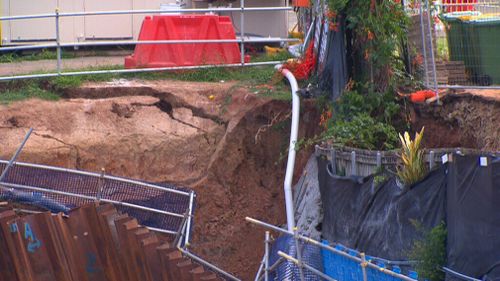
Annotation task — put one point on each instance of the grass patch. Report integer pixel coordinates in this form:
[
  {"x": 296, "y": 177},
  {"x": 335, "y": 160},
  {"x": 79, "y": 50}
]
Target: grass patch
[
  {"x": 27, "y": 91},
  {"x": 252, "y": 75},
  {"x": 67, "y": 82},
  {"x": 281, "y": 56},
  {"x": 48, "y": 88},
  {"x": 42, "y": 55}
]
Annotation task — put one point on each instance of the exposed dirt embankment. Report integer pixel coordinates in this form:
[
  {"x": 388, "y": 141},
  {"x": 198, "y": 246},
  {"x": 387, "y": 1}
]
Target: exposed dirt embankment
[
  {"x": 463, "y": 120},
  {"x": 222, "y": 141}
]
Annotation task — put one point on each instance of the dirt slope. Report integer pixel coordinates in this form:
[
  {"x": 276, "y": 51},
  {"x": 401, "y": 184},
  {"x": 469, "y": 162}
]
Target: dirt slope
[
  {"x": 226, "y": 148},
  {"x": 463, "y": 120}
]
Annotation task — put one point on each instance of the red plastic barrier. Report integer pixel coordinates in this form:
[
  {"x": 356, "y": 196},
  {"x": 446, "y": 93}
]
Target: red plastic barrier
[
  {"x": 185, "y": 27},
  {"x": 459, "y": 8}
]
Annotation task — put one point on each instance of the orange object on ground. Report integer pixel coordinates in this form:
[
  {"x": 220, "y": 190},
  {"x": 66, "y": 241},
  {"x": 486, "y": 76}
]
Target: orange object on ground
[
  {"x": 457, "y": 7},
  {"x": 421, "y": 96},
  {"x": 303, "y": 69},
  {"x": 185, "y": 27},
  {"x": 301, "y": 3}
]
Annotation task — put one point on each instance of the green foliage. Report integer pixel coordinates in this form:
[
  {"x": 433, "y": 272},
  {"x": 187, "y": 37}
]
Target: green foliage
[
  {"x": 363, "y": 131},
  {"x": 412, "y": 156},
  {"x": 379, "y": 179},
  {"x": 378, "y": 28},
  {"x": 66, "y": 82},
  {"x": 280, "y": 56},
  {"x": 430, "y": 252},
  {"x": 442, "y": 48},
  {"x": 382, "y": 106},
  {"x": 363, "y": 119},
  {"x": 337, "y": 5},
  {"x": 380, "y": 176}
]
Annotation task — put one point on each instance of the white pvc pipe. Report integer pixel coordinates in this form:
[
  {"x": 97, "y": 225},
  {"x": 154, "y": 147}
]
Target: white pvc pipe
[{"x": 291, "y": 149}]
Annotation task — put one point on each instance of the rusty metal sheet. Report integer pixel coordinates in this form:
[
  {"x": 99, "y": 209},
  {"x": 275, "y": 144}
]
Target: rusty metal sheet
[
  {"x": 135, "y": 237},
  {"x": 7, "y": 266},
  {"x": 152, "y": 257},
  {"x": 107, "y": 217},
  {"x": 185, "y": 268},
  {"x": 92, "y": 243},
  {"x": 39, "y": 241},
  {"x": 84, "y": 246},
  {"x": 123, "y": 225}
]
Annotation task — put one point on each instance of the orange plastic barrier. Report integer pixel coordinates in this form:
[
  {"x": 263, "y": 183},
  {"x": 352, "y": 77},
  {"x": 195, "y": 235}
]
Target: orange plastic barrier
[
  {"x": 301, "y": 3},
  {"x": 422, "y": 96},
  {"x": 460, "y": 8},
  {"x": 185, "y": 27}
]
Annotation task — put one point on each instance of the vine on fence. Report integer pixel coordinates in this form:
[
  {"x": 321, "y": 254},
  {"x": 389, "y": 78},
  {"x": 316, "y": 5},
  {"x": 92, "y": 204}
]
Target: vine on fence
[{"x": 378, "y": 28}]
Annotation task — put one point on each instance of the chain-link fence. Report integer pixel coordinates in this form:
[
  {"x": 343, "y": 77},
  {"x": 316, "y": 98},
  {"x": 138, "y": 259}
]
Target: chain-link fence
[{"x": 454, "y": 43}]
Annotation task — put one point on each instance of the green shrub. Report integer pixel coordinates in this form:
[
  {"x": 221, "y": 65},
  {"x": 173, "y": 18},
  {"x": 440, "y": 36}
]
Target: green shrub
[
  {"x": 363, "y": 119},
  {"x": 430, "y": 252},
  {"x": 382, "y": 106},
  {"x": 363, "y": 131}
]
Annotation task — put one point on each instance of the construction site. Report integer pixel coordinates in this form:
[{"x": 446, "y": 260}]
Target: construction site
[{"x": 250, "y": 140}]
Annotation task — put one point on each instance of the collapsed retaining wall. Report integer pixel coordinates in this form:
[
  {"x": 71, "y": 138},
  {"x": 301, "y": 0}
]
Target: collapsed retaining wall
[{"x": 227, "y": 148}]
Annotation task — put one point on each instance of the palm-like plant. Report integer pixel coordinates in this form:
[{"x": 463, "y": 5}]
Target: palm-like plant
[{"x": 412, "y": 155}]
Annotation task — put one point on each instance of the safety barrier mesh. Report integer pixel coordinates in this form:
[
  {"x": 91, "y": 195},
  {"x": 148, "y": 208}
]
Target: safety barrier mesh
[
  {"x": 94, "y": 186},
  {"x": 342, "y": 268},
  {"x": 287, "y": 270}
]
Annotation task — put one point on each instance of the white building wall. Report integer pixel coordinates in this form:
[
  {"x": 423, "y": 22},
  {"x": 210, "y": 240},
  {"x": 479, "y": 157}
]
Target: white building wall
[
  {"x": 117, "y": 26},
  {"x": 269, "y": 23}
]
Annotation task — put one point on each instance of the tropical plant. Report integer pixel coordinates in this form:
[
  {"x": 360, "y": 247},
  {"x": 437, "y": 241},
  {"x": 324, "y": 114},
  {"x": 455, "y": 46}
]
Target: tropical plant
[{"x": 412, "y": 156}]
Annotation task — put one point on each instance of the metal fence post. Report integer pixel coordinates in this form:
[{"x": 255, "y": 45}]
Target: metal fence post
[
  {"x": 266, "y": 261},
  {"x": 334, "y": 161},
  {"x": 363, "y": 266},
  {"x": 242, "y": 31},
  {"x": 100, "y": 185},
  {"x": 431, "y": 46},
  {"x": 190, "y": 215},
  {"x": 299, "y": 255},
  {"x": 431, "y": 160},
  {"x": 379, "y": 159},
  {"x": 16, "y": 154},
  {"x": 424, "y": 45},
  {"x": 58, "y": 42},
  {"x": 354, "y": 168}
]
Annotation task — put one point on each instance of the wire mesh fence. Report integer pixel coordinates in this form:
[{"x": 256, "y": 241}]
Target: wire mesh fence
[
  {"x": 454, "y": 42},
  {"x": 57, "y": 189}
]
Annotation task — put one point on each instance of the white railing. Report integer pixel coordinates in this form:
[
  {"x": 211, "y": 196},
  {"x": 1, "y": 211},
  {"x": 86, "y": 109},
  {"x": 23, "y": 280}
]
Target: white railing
[{"x": 58, "y": 45}]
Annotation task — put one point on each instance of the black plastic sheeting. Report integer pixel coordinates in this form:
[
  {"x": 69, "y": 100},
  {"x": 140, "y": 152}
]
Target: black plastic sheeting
[
  {"x": 379, "y": 220},
  {"x": 474, "y": 217},
  {"x": 333, "y": 73}
]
